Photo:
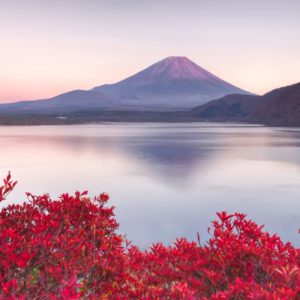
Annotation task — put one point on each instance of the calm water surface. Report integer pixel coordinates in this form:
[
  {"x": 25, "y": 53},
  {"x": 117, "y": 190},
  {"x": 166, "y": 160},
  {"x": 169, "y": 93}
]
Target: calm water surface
[{"x": 166, "y": 180}]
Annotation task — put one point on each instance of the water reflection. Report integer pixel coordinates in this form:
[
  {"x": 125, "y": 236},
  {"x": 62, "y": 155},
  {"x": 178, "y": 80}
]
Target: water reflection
[{"x": 165, "y": 180}]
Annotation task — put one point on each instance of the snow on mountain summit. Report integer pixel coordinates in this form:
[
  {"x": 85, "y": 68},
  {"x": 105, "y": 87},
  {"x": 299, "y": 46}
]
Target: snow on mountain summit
[
  {"x": 178, "y": 67},
  {"x": 173, "y": 68}
]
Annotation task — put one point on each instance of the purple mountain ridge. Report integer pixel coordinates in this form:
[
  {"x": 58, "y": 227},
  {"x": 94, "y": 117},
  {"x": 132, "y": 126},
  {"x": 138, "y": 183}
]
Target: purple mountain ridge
[
  {"x": 279, "y": 107},
  {"x": 174, "y": 83}
]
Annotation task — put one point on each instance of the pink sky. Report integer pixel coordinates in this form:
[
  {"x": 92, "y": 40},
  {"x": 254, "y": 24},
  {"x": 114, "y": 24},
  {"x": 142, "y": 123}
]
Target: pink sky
[{"x": 47, "y": 49}]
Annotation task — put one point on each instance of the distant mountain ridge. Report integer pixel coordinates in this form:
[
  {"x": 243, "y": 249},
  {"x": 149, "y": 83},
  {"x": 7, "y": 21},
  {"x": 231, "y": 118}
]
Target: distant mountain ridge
[
  {"x": 280, "y": 107},
  {"x": 174, "y": 83}
]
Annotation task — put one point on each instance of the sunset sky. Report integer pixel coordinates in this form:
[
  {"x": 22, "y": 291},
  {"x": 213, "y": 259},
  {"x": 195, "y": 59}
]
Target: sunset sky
[{"x": 49, "y": 47}]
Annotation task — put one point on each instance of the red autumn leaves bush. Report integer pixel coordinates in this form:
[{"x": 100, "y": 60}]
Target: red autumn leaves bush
[{"x": 69, "y": 249}]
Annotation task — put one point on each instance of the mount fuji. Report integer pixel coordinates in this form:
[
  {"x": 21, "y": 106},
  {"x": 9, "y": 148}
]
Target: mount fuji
[{"x": 174, "y": 83}]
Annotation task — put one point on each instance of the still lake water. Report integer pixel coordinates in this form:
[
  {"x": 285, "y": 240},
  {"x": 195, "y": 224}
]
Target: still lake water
[{"x": 166, "y": 180}]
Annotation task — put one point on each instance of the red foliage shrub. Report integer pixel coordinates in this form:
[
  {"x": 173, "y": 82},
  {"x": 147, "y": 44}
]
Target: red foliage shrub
[{"x": 69, "y": 249}]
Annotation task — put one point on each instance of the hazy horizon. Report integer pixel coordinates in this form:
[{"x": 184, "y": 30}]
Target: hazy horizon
[{"x": 54, "y": 47}]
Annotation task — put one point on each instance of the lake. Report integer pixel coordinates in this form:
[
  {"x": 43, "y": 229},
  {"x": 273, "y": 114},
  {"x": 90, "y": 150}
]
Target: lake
[{"x": 166, "y": 180}]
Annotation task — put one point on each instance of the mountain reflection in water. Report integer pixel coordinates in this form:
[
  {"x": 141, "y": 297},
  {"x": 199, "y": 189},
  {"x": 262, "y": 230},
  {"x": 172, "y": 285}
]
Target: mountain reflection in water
[{"x": 166, "y": 180}]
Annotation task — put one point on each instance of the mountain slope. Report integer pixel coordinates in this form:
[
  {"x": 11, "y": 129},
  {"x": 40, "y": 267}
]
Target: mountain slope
[
  {"x": 172, "y": 83},
  {"x": 65, "y": 103},
  {"x": 279, "y": 107}
]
